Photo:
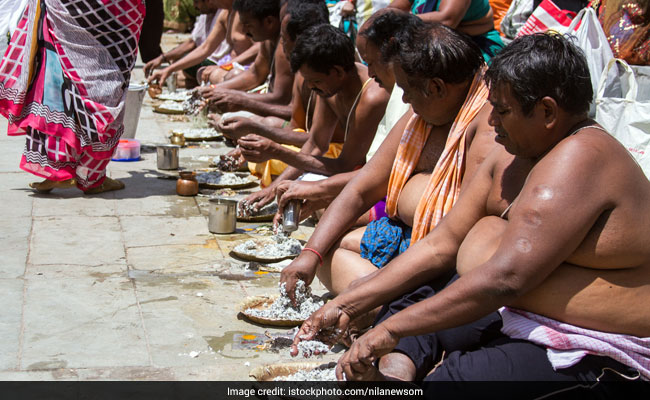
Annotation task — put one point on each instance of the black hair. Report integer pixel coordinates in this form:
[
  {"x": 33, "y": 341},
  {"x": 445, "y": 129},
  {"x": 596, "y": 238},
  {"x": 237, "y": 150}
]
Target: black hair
[
  {"x": 540, "y": 65},
  {"x": 321, "y": 48},
  {"x": 385, "y": 29},
  {"x": 260, "y": 9},
  {"x": 433, "y": 50},
  {"x": 305, "y": 15}
]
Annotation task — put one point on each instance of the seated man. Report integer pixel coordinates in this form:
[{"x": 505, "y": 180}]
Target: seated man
[
  {"x": 374, "y": 38},
  {"x": 346, "y": 98},
  {"x": 418, "y": 168},
  {"x": 298, "y": 17},
  {"x": 217, "y": 38},
  {"x": 553, "y": 228},
  {"x": 261, "y": 21}
]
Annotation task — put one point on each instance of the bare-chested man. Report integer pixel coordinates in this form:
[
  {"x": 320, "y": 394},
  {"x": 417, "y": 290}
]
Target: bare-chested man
[
  {"x": 261, "y": 22},
  {"x": 555, "y": 226},
  {"x": 297, "y": 17},
  {"x": 439, "y": 70},
  {"x": 190, "y": 55},
  {"x": 345, "y": 97}
]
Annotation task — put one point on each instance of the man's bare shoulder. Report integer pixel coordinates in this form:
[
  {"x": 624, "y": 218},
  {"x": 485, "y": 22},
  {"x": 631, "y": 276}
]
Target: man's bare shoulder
[{"x": 375, "y": 96}]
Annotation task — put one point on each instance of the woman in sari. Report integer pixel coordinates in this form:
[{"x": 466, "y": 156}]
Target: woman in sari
[{"x": 63, "y": 83}]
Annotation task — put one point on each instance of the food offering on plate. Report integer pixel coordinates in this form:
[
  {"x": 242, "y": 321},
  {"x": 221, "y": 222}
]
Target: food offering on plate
[
  {"x": 198, "y": 134},
  {"x": 274, "y": 249},
  {"x": 221, "y": 180},
  {"x": 279, "y": 311},
  {"x": 295, "y": 372},
  {"x": 179, "y": 95},
  {"x": 246, "y": 212},
  {"x": 169, "y": 107}
]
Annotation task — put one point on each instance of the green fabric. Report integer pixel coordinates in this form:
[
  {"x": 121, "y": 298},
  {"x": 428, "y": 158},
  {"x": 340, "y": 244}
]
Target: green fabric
[{"x": 180, "y": 12}]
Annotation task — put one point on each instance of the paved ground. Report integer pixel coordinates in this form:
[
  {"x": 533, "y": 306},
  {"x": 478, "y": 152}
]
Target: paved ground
[{"x": 123, "y": 285}]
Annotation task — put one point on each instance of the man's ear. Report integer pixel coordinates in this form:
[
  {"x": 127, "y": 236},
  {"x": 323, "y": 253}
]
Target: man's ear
[
  {"x": 550, "y": 109},
  {"x": 338, "y": 71},
  {"x": 436, "y": 87},
  {"x": 270, "y": 20}
]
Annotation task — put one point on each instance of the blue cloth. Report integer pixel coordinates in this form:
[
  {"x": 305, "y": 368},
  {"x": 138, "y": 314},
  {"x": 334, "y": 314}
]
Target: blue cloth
[{"x": 384, "y": 240}]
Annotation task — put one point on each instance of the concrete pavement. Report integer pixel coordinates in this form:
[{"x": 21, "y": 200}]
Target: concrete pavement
[{"x": 122, "y": 285}]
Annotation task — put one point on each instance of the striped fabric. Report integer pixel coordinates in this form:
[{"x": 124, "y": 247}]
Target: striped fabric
[
  {"x": 444, "y": 185},
  {"x": 567, "y": 344},
  {"x": 63, "y": 83}
]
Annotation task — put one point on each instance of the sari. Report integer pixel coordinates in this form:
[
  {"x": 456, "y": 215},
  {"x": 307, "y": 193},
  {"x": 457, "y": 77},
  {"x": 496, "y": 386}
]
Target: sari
[{"x": 63, "y": 83}]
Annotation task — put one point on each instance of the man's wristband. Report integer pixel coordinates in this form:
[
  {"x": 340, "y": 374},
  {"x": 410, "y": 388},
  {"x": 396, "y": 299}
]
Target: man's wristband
[{"x": 315, "y": 252}]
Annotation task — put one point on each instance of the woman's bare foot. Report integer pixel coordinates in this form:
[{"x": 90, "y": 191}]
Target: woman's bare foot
[
  {"x": 108, "y": 185},
  {"x": 47, "y": 185}
]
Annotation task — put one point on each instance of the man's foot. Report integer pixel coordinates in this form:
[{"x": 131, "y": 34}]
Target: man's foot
[
  {"x": 106, "y": 186},
  {"x": 47, "y": 185}
]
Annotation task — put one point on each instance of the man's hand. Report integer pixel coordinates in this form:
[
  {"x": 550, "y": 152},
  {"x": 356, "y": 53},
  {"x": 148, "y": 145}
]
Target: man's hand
[
  {"x": 303, "y": 268},
  {"x": 348, "y": 9},
  {"x": 357, "y": 363},
  {"x": 160, "y": 76},
  {"x": 234, "y": 128},
  {"x": 328, "y": 324},
  {"x": 256, "y": 148},
  {"x": 314, "y": 197},
  {"x": 259, "y": 199},
  {"x": 152, "y": 65},
  {"x": 224, "y": 100}
]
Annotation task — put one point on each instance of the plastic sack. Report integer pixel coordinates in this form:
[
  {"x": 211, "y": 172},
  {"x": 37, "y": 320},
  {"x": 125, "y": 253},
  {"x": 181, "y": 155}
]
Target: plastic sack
[
  {"x": 589, "y": 36},
  {"x": 546, "y": 17},
  {"x": 625, "y": 115}
]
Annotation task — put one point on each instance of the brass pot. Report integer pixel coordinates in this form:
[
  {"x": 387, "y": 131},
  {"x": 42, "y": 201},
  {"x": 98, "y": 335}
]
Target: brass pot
[
  {"x": 178, "y": 139},
  {"x": 187, "y": 185}
]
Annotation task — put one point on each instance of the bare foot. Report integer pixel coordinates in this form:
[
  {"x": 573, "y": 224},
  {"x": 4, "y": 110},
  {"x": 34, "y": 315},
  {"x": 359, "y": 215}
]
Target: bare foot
[
  {"x": 47, "y": 185},
  {"x": 106, "y": 186}
]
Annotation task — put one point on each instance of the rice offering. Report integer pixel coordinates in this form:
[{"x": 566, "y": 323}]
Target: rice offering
[
  {"x": 171, "y": 106},
  {"x": 197, "y": 133},
  {"x": 246, "y": 209},
  {"x": 221, "y": 178},
  {"x": 308, "y": 347},
  {"x": 283, "y": 246},
  {"x": 195, "y": 103},
  {"x": 179, "y": 95},
  {"x": 323, "y": 373},
  {"x": 226, "y": 163},
  {"x": 282, "y": 309}
]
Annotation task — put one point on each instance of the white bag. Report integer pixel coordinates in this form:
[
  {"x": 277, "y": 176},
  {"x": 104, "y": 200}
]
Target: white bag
[
  {"x": 626, "y": 117},
  {"x": 516, "y": 17},
  {"x": 592, "y": 40}
]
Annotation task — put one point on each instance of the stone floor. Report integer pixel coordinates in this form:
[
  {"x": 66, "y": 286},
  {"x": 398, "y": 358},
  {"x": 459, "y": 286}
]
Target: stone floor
[{"x": 123, "y": 285}]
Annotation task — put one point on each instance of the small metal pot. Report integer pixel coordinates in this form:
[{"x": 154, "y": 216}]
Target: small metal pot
[
  {"x": 167, "y": 156},
  {"x": 291, "y": 216},
  {"x": 178, "y": 139},
  {"x": 187, "y": 185},
  {"x": 223, "y": 216}
]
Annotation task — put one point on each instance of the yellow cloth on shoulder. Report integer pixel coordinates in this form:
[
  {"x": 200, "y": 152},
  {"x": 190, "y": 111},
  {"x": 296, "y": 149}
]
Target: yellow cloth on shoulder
[
  {"x": 444, "y": 184},
  {"x": 267, "y": 169}
]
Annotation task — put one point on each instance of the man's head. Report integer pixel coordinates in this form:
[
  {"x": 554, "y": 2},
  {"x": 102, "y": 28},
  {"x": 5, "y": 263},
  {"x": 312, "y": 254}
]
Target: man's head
[
  {"x": 211, "y": 6},
  {"x": 377, "y": 41},
  {"x": 537, "y": 82},
  {"x": 431, "y": 62},
  {"x": 298, "y": 18},
  {"x": 260, "y": 18},
  {"x": 324, "y": 55}
]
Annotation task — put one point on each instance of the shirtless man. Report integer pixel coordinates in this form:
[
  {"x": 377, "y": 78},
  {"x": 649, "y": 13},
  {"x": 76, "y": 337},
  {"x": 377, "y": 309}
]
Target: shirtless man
[
  {"x": 374, "y": 38},
  {"x": 346, "y": 97},
  {"x": 297, "y": 18},
  {"x": 227, "y": 28},
  {"x": 436, "y": 91},
  {"x": 261, "y": 21},
  {"x": 555, "y": 226}
]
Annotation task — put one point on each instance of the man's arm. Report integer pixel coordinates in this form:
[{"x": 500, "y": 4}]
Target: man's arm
[
  {"x": 171, "y": 56},
  {"x": 252, "y": 77},
  {"x": 539, "y": 236},
  {"x": 364, "y": 190},
  {"x": 200, "y": 53},
  {"x": 264, "y": 104},
  {"x": 362, "y": 128}
]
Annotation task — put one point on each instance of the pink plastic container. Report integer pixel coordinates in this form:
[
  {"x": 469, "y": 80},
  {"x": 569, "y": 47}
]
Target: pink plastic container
[{"x": 127, "y": 150}]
